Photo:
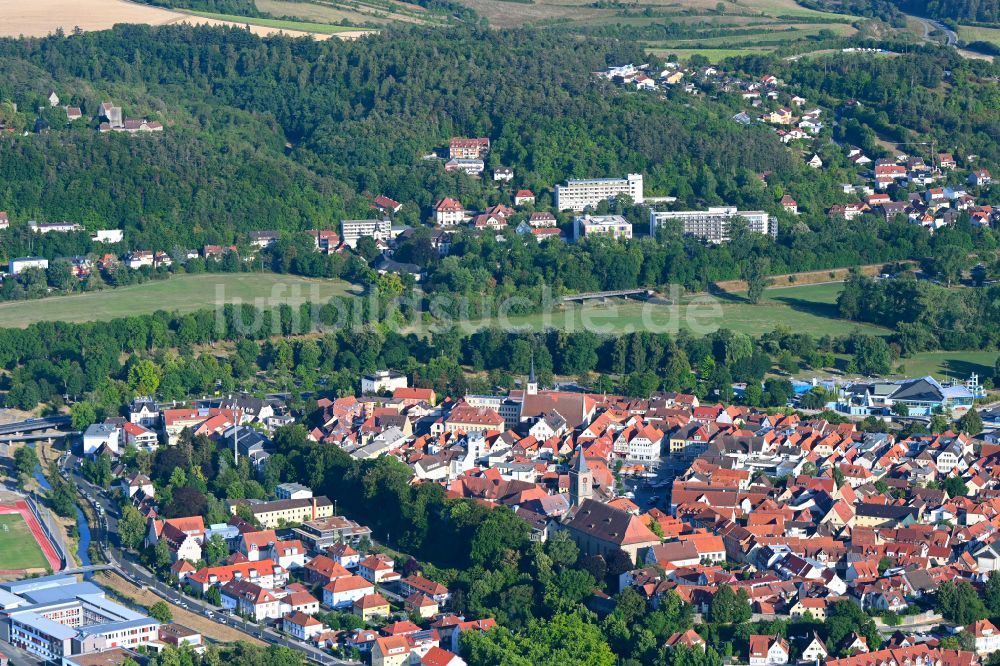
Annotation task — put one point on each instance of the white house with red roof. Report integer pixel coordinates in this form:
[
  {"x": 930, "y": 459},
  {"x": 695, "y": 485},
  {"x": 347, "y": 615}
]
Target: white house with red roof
[
  {"x": 342, "y": 592},
  {"x": 256, "y": 545},
  {"x": 386, "y": 205},
  {"x": 448, "y": 212},
  {"x": 250, "y": 599},
  {"x": 184, "y": 536},
  {"x": 986, "y": 635},
  {"x": 377, "y": 568},
  {"x": 437, "y": 656},
  {"x": 522, "y": 197},
  {"x": 768, "y": 650},
  {"x": 301, "y": 626}
]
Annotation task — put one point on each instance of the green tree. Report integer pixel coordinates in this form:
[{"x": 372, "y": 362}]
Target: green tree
[
  {"x": 82, "y": 415},
  {"x": 25, "y": 462},
  {"x": 955, "y": 486},
  {"x": 498, "y": 537},
  {"x": 161, "y": 611},
  {"x": 565, "y": 639},
  {"x": 144, "y": 377},
  {"x": 872, "y": 355},
  {"x": 991, "y": 594},
  {"x": 959, "y": 603},
  {"x": 971, "y": 422},
  {"x": 755, "y": 271},
  {"x": 131, "y": 527}
]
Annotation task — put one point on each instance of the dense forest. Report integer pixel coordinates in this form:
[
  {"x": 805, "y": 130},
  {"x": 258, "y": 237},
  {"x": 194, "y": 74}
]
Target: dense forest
[
  {"x": 356, "y": 118},
  {"x": 961, "y": 11},
  {"x": 292, "y": 135}
]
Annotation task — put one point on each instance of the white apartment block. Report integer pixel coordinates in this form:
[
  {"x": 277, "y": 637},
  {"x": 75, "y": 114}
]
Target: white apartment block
[
  {"x": 353, "y": 230},
  {"x": 579, "y": 194},
  {"x": 615, "y": 226},
  {"x": 713, "y": 225}
]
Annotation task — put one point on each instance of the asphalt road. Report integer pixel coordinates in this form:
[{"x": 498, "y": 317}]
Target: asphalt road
[
  {"x": 930, "y": 25},
  {"x": 139, "y": 575}
]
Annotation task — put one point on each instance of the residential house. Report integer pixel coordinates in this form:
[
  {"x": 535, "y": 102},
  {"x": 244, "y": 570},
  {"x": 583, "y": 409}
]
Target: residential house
[
  {"x": 503, "y": 174},
  {"x": 986, "y": 635},
  {"x": 391, "y": 651},
  {"x": 301, "y": 626},
  {"x": 980, "y": 177},
  {"x": 523, "y": 197},
  {"x": 419, "y": 585},
  {"x": 184, "y": 536},
  {"x": 251, "y": 600},
  {"x": 462, "y": 148},
  {"x": 371, "y": 607},
  {"x": 768, "y": 650},
  {"x": 789, "y": 204},
  {"x": 448, "y": 212},
  {"x": 343, "y": 592}
]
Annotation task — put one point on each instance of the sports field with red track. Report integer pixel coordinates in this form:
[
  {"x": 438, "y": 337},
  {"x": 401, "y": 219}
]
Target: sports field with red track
[{"x": 23, "y": 544}]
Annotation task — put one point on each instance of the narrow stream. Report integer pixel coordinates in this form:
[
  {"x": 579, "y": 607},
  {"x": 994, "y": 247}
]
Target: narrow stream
[{"x": 81, "y": 523}]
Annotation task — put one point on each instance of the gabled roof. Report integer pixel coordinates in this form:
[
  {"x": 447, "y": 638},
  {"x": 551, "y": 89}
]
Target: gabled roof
[{"x": 610, "y": 524}]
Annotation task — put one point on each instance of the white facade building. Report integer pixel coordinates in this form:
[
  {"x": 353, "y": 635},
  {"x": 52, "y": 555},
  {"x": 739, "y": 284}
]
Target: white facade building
[
  {"x": 99, "y": 434},
  {"x": 579, "y": 194},
  {"x": 382, "y": 380},
  {"x": 713, "y": 225},
  {"x": 23, "y": 263},
  {"x": 351, "y": 231}
]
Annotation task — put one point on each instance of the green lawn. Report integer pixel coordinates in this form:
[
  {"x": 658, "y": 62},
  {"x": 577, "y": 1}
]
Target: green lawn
[
  {"x": 279, "y": 24},
  {"x": 18, "y": 548},
  {"x": 181, "y": 293},
  {"x": 979, "y": 34},
  {"x": 810, "y": 309},
  {"x": 950, "y": 364}
]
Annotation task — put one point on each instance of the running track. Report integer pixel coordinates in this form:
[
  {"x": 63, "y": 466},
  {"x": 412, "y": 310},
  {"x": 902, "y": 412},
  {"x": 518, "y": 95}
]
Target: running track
[{"x": 48, "y": 549}]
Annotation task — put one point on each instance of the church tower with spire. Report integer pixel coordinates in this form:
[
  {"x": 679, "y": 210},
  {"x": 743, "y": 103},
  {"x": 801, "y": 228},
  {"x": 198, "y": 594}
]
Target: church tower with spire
[
  {"x": 581, "y": 480},
  {"x": 531, "y": 388}
]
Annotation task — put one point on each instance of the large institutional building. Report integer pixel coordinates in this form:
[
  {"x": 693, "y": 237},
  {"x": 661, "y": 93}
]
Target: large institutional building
[
  {"x": 351, "y": 231},
  {"x": 57, "y": 616},
  {"x": 579, "y": 194},
  {"x": 713, "y": 225}
]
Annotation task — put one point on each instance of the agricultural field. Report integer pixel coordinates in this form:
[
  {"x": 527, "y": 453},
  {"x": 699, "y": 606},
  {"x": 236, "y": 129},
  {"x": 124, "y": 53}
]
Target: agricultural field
[
  {"x": 379, "y": 12},
  {"x": 979, "y": 34},
  {"x": 18, "y": 548},
  {"x": 44, "y": 17},
  {"x": 181, "y": 293},
  {"x": 287, "y": 26},
  {"x": 781, "y": 14},
  {"x": 765, "y": 37},
  {"x": 809, "y": 309}
]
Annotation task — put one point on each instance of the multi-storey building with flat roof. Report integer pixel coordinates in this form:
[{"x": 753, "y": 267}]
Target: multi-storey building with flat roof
[
  {"x": 615, "y": 226},
  {"x": 61, "y": 617},
  {"x": 351, "y": 231},
  {"x": 714, "y": 224},
  {"x": 579, "y": 194}
]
